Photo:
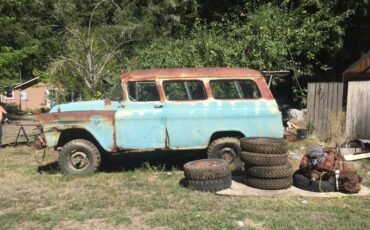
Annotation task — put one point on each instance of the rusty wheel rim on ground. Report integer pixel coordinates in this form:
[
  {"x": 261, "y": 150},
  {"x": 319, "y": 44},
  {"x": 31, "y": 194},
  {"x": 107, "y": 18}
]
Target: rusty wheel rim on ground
[
  {"x": 202, "y": 164},
  {"x": 228, "y": 154},
  {"x": 78, "y": 160}
]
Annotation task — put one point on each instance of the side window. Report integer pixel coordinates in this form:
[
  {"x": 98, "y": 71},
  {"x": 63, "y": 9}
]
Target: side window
[
  {"x": 184, "y": 90},
  {"x": 143, "y": 91},
  {"x": 234, "y": 89}
]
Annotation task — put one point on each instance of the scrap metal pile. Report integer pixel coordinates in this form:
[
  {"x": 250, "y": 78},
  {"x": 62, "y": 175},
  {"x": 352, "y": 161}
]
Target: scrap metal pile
[{"x": 323, "y": 170}]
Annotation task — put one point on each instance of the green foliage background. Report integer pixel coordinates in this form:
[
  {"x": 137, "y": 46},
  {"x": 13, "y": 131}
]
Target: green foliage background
[{"x": 314, "y": 38}]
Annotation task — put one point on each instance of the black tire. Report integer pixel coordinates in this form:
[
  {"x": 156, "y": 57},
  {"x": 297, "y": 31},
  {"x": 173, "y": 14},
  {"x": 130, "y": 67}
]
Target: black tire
[
  {"x": 303, "y": 182},
  {"x": 227, "y": 148},
  {"x": 206, "y": 169},
  {"x": 270, "y": 172},
  {"x": 269, "y": 184},
  {"x": 264, "y": 145},
  {"x": 210, "y": 185},
  {"x": 258, "y": 159},
  {"x": 79, "y": 157}
]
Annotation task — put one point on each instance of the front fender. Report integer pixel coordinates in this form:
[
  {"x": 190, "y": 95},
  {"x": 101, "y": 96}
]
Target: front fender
[{"x": 100, "y": 124}]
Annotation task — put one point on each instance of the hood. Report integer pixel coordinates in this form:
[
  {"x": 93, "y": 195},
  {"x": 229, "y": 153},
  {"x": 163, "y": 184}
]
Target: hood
[{"x": 86, "y": 105}]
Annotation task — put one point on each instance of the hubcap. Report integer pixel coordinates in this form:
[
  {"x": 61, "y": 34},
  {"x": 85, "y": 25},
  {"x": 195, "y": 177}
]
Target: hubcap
[
  {"x": 78, "y": 160},
  {"x": 228, "y": 154}
]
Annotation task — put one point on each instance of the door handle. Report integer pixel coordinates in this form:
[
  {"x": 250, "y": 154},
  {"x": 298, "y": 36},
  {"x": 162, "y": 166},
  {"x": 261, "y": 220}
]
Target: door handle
[{"x": 158, "y": 106}]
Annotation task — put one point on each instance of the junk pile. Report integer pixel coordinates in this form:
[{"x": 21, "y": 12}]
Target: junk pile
[
  {"x": 323, "y": 170},
  {"x": 355, "y": 149},
  {"x": 266, "y": 163},
  {"x": 296, "y": 125}
]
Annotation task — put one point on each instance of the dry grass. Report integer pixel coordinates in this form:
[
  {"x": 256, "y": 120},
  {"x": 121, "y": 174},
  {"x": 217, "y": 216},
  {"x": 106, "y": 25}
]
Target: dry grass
[
  {"x": 337, "y": 128},
  {"x": 151, "y": 197}
]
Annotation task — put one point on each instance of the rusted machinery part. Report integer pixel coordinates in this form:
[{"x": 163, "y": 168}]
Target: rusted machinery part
[
  {"x": 269, "y": 184},
  {"x": 210, "y": 185},
  {"x": 303, "y": 182},
  {"x": 264, "y": 145},
  {"x": 258, "y": 159},
  {"x": 206, "y": 169},
  {"x": 270, "y": 172}
]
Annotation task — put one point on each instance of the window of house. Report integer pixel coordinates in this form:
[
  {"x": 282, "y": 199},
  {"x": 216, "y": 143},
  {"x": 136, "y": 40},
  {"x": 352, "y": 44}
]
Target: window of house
[
  {"x": 9, "y": 94},
  {"x": 24, "y": 95},
  {"x": 143, "y": 91},
  {"x": 235, "y": 89},
  {"x": 184, "y": 90}
]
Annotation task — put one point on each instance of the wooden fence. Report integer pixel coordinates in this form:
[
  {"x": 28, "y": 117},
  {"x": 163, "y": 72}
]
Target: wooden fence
[
  {"x": 358, "y": 110},
  {"x": 323, "y": 99}
]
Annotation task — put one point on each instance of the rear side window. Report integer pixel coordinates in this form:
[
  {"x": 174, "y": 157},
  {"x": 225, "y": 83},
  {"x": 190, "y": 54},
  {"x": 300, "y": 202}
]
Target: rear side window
[
  {"x": 184, "y": 90},
  {"x": 235, "y": 89},
  {"x": 143, "y": 91}
]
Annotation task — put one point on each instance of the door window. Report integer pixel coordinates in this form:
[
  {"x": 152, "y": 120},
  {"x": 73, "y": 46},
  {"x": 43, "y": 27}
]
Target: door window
[
  {"x": 143, "y": 91},
  {"x": 235, "y": 89},
  {"x": 184, "y": 90}
]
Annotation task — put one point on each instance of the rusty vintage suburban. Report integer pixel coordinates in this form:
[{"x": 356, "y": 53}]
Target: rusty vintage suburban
[{"x": 165, "y": 109}]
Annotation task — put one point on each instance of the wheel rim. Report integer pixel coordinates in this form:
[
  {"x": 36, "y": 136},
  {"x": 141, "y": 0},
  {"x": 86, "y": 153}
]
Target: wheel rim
[
  {"x": 78, "y": 160},
  {"x": 228, "y": 154}
]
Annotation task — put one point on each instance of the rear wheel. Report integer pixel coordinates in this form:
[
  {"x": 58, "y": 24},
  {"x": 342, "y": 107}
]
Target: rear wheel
[
  {"x": 79, "y": 157},
  {"x": 227, "y": 148}
]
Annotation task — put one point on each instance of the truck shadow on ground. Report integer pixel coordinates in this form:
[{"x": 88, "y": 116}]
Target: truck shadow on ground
[{"x": 161, "y": 160}]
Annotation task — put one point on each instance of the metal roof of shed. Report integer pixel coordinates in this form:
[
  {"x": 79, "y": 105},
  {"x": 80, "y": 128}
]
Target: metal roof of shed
[{"x": 359, "y": 69}]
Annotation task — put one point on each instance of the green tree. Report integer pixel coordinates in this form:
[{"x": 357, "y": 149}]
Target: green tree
[
  {"x": 28, "y": 39},
  {"x": 90, "y": 54}
]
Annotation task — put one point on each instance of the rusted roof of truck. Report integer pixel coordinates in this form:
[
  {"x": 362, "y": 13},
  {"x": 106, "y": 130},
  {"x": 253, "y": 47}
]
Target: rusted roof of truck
[{"x": 191, "y": 72}]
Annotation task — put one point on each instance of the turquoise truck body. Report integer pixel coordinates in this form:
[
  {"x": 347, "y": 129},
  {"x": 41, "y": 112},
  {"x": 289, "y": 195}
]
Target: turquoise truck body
[{"x": 167, "y": 124}]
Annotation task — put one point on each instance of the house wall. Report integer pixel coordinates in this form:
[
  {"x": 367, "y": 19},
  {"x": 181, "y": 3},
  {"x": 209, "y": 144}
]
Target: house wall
[{"x": 36, "y": 97}]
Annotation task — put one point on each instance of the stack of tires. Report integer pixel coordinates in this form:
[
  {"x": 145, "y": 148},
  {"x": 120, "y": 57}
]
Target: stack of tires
[
  {"x": 207, "y": 175},
  {"x": 266, "y": 163}
]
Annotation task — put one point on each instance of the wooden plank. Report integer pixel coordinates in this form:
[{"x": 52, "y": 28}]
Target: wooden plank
[
  {"x": 340, "y": 97},
  {"x": 326, "y": 110},
  {"x": 332, "y": 97},
  {"x": 317, "y": 107},
  {"x": 362, "y": 110},
  {"x": 358, "y": 156},
  {"x": 322, "y": 108},
  {"x": 368, "y": 112},
  {"x": 310, "y": 103},
  {"x": 350, "y": 121}
]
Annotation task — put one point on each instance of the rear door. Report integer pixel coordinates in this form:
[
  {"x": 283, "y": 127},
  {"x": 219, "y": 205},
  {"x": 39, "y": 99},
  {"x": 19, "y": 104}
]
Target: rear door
[{"x": 141, "y": 124}]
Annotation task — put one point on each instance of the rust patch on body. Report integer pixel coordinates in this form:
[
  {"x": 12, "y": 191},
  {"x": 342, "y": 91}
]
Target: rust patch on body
[{"x": 76, "y": 115}]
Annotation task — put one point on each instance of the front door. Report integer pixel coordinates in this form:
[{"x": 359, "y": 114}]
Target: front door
[{"x": 141, "y": 123}]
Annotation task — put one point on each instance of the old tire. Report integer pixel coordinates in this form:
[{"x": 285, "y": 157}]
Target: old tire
[
  {"x": 258, "y": 159},
  {"x": 227, "y": 148},
  {"x": 269, "y": 184},
  {"x": 264, "y": 145},
  {"x": 303, "y": 182},
  {"x": 79, "y": 157},
  {"x": 270, "y": 172},
  {"x": 206, "y": 169},
  {"x": 210, "y": 185}
]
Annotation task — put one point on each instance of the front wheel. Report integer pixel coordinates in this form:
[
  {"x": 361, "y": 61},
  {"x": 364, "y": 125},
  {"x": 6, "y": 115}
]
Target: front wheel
[
  {"x": 79, "y": 157},
  {"x": 227, "y": 148}
]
